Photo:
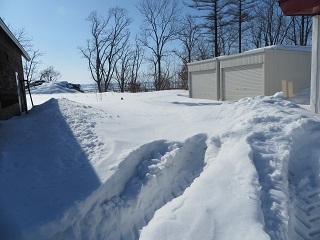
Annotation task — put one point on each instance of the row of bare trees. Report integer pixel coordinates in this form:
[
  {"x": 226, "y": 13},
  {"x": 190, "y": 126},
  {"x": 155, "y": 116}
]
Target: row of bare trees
[
  {"x": 111, "y": 56},
  {"x": 219, "y": 27},
  {"x": 216, "y": 27},
  {"x": 109, "y": 52},
  {"x": 209, "y": 29},
  {"x": 236, "y": 25}
]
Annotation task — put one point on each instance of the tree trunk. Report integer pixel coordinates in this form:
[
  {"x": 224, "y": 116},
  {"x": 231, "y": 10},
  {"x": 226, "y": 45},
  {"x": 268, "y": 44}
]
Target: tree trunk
[
  {"x": 240, "y": 25},
  {"x": 302, "y": 31},
  {"x": 216, "y": 50},
  {"x": 159, "y": 84}
]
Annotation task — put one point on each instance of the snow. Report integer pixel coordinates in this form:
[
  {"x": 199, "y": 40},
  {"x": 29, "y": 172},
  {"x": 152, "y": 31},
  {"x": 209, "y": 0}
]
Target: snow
[
  {"x": 283, "y": 48},
  {"x": 53, "y": 87},
  {"x": 160, "y": 165},
  {"x": 296, "y": 49}
]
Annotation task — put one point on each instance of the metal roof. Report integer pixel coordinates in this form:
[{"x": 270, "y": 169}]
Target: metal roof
[
  {"x": 13, "y": 38},
  {"x": 300, "y": 7},
  {"x": 296, "y": 49}
]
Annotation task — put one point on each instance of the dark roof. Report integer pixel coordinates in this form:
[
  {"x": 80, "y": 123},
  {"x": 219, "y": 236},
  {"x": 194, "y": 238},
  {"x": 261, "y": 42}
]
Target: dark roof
[
  {"x": 13, "y": 38},
  {"x": 300, "y": 7}
]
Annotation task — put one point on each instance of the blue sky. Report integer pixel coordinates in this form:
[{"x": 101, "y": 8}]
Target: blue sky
[{"x": 58, "y": 27}]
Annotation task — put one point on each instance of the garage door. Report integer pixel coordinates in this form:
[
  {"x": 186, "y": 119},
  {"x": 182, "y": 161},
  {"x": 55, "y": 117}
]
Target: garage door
[
  {"x": 204, "y": 85},
  {"x": 242, "y": 81}
]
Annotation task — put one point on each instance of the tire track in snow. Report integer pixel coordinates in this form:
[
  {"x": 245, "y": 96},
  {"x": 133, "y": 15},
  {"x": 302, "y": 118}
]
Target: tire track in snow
[
  {"x": 272, "y": 149},
  {"x": 270, "y": 155},
  {"x": 144, "y": 181},
  {"x": 304, "y": 179},
  {"x": 289, "y": 175}
]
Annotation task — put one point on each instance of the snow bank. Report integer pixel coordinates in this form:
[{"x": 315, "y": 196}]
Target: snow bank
[
  {"x": 144, "y": 181},
  {"x": 163, "y": 166}
]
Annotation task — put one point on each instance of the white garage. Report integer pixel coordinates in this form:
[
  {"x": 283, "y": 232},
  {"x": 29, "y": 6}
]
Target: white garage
[
  {"x": 263, "y": 71},
  {"x": 204, "y": 80},
  {"x": 242, "y": 81}
]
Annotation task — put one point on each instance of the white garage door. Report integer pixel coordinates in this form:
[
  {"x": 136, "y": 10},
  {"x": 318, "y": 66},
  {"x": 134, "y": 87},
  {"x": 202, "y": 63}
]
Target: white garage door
[
  {"x": 204, "y": 85},
  {"x": 242, "y": 81}
]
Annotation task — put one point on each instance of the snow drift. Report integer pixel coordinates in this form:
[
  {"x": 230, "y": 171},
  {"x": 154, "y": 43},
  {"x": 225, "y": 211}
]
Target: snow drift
[{"x": 161, "y": 166}]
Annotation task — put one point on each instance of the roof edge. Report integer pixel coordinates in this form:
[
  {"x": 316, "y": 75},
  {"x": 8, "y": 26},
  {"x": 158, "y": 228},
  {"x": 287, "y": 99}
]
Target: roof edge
[
  {"x": 14, "y": 39},
  {"x": 275, "y": 48},
  {"x": 202, "y": 61}
]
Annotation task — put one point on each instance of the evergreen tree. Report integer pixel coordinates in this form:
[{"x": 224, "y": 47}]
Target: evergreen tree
[
  {"x": 214, "y": 18},
  {"x": 241, "y": 13}
]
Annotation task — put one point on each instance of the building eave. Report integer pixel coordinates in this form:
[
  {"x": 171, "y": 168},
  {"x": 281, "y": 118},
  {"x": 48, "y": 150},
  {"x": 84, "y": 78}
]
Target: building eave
[{"x": 300, "y": 7}]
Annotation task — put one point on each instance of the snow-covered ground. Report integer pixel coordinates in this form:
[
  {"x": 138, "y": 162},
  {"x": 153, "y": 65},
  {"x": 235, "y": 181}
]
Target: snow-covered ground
[{"x": 160, "y": 166}]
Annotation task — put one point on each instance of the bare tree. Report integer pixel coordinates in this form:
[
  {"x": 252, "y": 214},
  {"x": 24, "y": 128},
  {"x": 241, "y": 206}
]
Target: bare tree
[
  {"x": 136, "y": 60},
  {"x": 30, "y": 68},
  {"x": 270, "y": 27},
  {"x": 189, "y": 33},
  {"x": 183, "y": 76},
  {"x": 301, "y": 29},
  {"x": 22, "y": 36},
  {"x": 122, "y": 69},
  {"x": 203, "y": 49},
  {"x": 126, "y": 71},
  {"x": 228, "y": 38},
  {"x": 168, "y": 74},
  {"x": 159, "y": 28},
  {"x": 256, "y": 33},
  {"x": 50, "y": 74},
  {"x": 108, "y": 37},
  {"x": 119, "y": 35},
  {"x": 94, "y": 52}
]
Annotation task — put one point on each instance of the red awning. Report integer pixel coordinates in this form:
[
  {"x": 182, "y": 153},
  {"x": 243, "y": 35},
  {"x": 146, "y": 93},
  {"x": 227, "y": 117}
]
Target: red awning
[{"x": 300, "y": 7}]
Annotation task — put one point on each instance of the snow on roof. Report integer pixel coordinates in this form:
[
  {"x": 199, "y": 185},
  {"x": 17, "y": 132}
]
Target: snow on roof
[
  {"x": 13, "y": 38},
  {"x": 306, "y": 49},
  {"x": 283, "y": 48},
  {"x": 302, "y": 49}
]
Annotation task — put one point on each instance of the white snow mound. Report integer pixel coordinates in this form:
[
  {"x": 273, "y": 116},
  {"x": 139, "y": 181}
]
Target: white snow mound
[{"x": 53, "y": 87}]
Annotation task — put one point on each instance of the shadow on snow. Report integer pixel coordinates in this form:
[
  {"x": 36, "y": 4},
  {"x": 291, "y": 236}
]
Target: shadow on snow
[{"x": 43, "y": 170}]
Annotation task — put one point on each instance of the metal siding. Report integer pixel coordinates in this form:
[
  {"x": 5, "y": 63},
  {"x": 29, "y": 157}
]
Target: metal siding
[
  {"x": 291, "y": 66},
  {"x": 241, "y": 59},
  {"x": 242, "y": 81},
  {"x": 204, "y": 85},
  {"x": 204, "y": 65}
]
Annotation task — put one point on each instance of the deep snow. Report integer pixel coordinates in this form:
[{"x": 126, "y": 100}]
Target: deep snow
[{"x": 160, "y": 166}]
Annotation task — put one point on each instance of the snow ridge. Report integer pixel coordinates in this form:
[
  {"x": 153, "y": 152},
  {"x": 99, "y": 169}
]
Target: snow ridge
[
  {"x": 270, "y": 159},
  {"x": 80, "y": 120},
  {"x": 150, "y": 177},
  {"x": 283, "y": 151},
  {"x": 304, "y": 179}
]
